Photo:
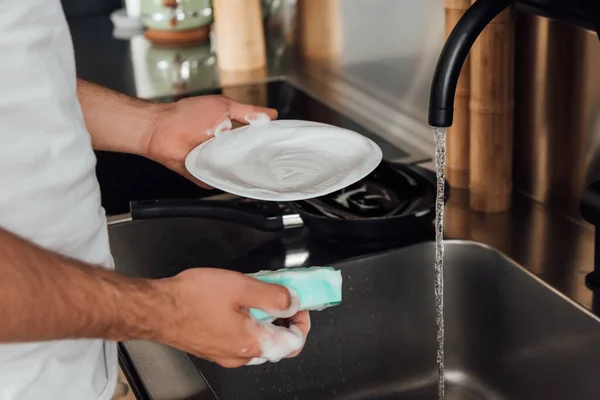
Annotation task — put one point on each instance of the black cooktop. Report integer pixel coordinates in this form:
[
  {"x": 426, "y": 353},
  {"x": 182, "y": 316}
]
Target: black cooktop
[{"x": 125, "y": 177}]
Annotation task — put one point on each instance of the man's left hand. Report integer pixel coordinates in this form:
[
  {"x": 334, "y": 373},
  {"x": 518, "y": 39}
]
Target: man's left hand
[{"x": 183, "y": 125}]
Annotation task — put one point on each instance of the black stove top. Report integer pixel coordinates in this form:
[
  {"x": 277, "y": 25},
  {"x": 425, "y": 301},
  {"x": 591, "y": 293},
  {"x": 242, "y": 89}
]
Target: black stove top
[{"x": 125, "y": 177}]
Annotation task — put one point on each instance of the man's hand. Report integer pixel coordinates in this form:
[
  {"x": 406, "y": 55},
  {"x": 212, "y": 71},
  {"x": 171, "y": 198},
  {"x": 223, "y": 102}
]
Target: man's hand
[
  {"x": 165, "y": 133},
  {"x": 183, "y": 125},
  {"x": 201, "y": 311},
  {"x": 207, "y": 315}
]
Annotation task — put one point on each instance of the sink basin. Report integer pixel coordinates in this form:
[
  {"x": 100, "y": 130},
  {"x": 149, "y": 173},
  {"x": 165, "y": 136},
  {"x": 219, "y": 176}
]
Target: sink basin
[{"x": 508, "y": 336}]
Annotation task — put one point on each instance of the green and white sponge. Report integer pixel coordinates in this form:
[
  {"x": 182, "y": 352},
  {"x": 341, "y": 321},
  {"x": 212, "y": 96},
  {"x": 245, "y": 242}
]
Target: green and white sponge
[{"x": 317, "y": 288}]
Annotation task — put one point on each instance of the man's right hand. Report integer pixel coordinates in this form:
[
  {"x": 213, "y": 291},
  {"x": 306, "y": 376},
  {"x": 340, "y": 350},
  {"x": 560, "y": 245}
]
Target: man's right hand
[
  {"x": 46, "y": 296},
  {"x": 206, "y": 314}
]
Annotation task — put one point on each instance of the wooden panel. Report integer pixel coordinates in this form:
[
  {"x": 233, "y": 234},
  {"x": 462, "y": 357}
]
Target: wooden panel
[
  {"x": 320, "y": 29},
  {"x": 491, "y": 116},
  {"x": 239, "y": 34},
  {"x": 457, "y": 152}
]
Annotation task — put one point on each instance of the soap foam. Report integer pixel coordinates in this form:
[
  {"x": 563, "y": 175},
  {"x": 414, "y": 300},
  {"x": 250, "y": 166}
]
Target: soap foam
[
  {"x": 258, "y": 118},
  {"x": 223, "y": 126},
  {"x": 277, "y": 342}
]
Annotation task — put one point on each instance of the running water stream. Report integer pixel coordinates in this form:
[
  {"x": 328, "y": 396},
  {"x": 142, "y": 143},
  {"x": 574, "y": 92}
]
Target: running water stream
[{"x": 439, "y": 135}]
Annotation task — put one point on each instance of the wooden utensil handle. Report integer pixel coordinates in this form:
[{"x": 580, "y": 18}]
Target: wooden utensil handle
[
  {"x": 239, "y": 34},
  {"x": 457, "y": 154},
  {"x": 319, "y": 29},
  {"x": 491, "y": 116}
]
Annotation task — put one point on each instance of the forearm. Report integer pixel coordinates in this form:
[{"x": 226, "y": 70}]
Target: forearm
[
  {"x": 44, "y": 296},
  {"x": 115, "y": 121}
]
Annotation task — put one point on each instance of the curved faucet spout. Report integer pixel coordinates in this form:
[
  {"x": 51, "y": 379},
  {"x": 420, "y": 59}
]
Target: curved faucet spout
[{"x": 452, "y": 58}]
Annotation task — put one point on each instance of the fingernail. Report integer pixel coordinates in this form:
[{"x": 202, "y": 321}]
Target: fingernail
[
  {"x": 292, "y": 309},
  {"x": 295, "y": 306}
]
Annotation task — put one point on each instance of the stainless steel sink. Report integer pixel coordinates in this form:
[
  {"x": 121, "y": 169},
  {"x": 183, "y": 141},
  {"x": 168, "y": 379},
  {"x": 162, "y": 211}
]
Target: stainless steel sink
[{"x": 508, "y": 336}]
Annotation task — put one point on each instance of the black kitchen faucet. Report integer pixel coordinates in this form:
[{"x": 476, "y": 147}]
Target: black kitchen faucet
[
  {"x": 585, "y": 13},
  {"x": 468, "y": 28}
]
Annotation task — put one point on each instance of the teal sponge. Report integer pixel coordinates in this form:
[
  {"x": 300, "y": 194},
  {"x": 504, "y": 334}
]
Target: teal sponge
[{"x": 317, "y": 287}]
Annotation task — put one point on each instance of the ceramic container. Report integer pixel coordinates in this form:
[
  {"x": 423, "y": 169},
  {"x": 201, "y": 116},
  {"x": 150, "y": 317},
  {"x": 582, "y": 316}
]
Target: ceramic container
[
  {"x": 189, "y": 68},
  {"x": 176, "y": 15},
  {"x": 133, "y": 9}
]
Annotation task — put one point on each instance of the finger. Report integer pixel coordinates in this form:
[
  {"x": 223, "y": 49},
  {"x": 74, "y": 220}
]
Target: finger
[
  {"x": 276, "y": 300},
  {"x": 234, "y": 362},
  {"x": 239, "y": 111},
  {"x": 300, "y": 321},
  {"x": 223, "y": 124},
  {"x": 278, "y": 342}
]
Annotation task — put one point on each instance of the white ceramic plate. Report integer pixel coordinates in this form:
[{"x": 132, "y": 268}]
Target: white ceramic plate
[{"x": 284, "y": 160}]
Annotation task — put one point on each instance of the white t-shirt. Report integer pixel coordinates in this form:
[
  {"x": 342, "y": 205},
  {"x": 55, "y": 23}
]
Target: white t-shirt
[{"x": 49, "y": 193}]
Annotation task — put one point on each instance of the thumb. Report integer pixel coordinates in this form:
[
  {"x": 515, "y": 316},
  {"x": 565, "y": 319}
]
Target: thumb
[
  {"x": 275, "y": 300},
  {"x": 239, "y": 111}
]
